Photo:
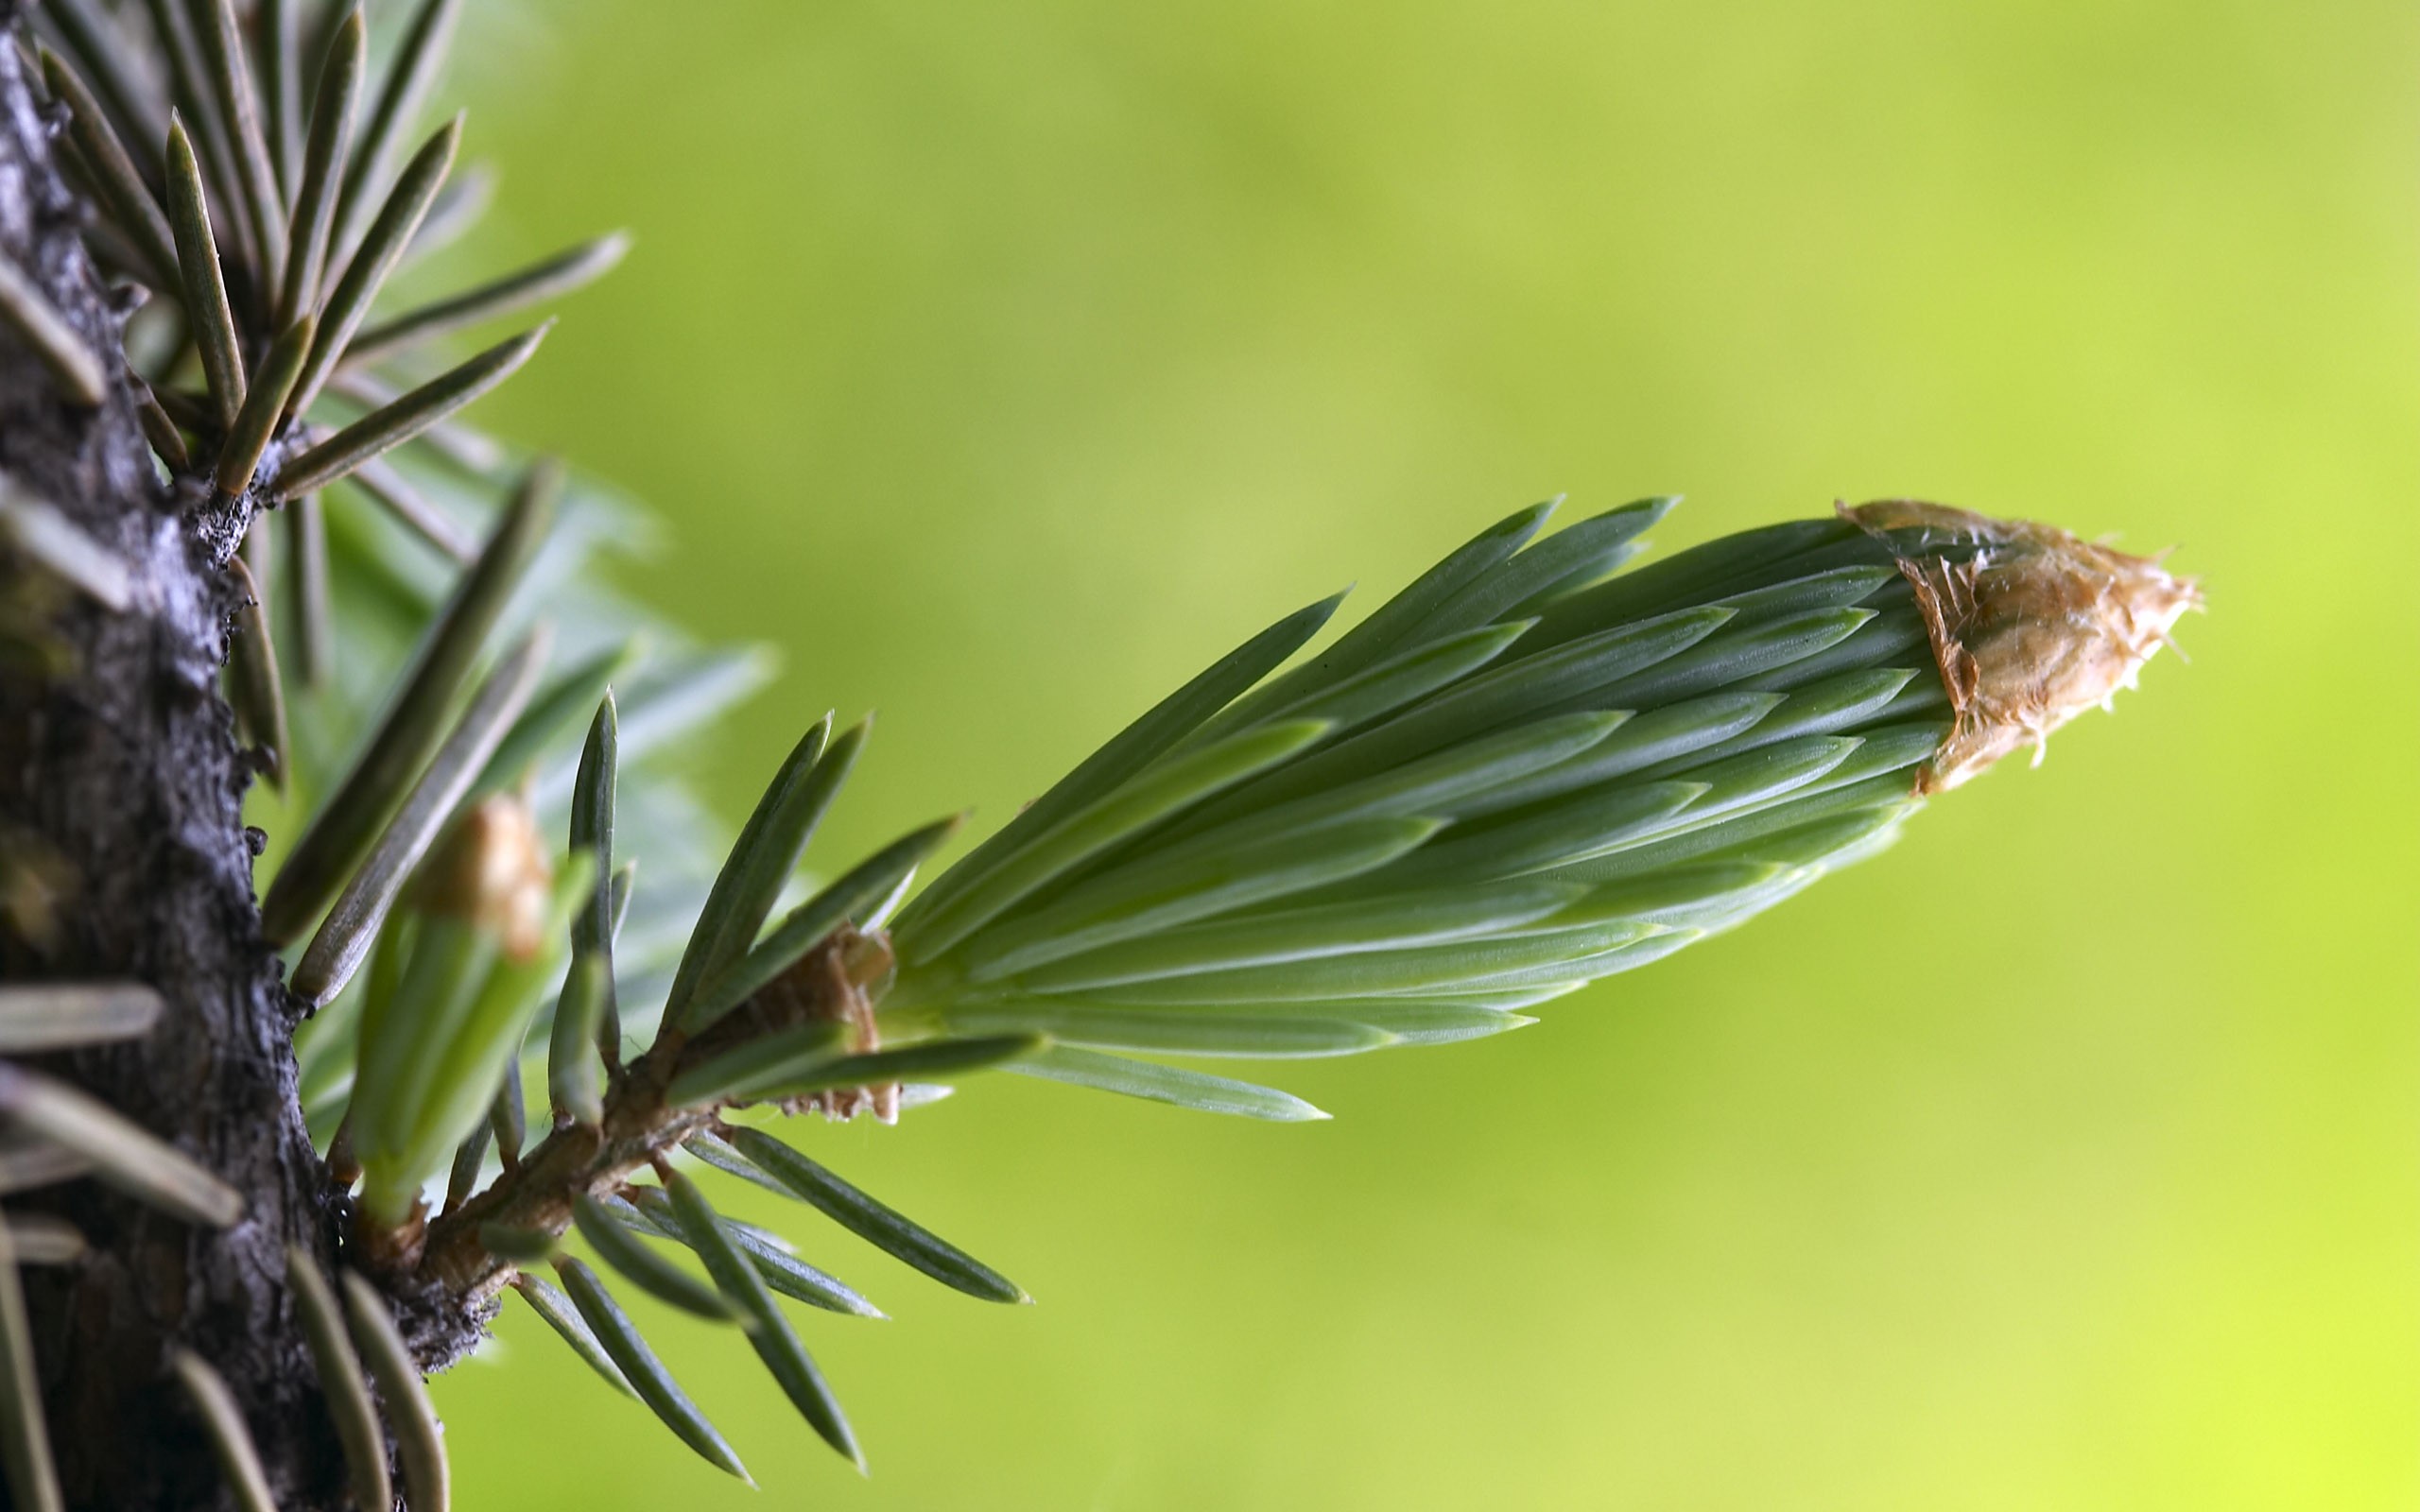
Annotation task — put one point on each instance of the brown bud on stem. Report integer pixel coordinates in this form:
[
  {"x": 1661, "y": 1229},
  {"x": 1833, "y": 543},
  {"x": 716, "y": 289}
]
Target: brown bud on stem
[
  {"x": 2030, "y": 630},
  {"x": 492, "y": 869}
]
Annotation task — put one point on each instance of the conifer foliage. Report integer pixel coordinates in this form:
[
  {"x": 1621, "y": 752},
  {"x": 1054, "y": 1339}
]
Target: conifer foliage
[{"x": 536, "y": 1022}]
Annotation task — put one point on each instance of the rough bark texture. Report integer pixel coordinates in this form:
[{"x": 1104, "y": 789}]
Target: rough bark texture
[{"x": 120, "y": 782}]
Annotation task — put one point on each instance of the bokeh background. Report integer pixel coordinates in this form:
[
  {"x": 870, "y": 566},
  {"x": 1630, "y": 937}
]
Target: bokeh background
[{"x": 1004, "y": 364}]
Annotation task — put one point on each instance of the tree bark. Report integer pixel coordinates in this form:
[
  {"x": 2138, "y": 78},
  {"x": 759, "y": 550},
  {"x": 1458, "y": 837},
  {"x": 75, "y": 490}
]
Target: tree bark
[{"x": 121, "y": 781}]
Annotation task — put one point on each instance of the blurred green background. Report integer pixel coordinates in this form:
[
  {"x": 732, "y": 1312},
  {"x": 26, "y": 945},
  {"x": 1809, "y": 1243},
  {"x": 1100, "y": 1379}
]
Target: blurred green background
[{"x": 1006, "y": 363}]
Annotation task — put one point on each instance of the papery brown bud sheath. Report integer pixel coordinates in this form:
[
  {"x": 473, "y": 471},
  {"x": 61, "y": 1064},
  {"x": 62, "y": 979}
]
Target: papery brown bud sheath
[
  {"x": 2030, "y": 630},
  {"x": 492, "y": 870}
]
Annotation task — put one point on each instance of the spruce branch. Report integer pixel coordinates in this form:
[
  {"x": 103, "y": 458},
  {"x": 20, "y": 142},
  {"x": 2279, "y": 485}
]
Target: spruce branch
[
  {"x": 1535, "y": 774},
  {"x": 1531, "y": 768}
]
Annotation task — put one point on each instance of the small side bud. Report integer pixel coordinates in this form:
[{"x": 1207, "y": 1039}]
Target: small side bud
[
  {"x": 2031, "y": 626},
  {"x": 491, "y": 868}
]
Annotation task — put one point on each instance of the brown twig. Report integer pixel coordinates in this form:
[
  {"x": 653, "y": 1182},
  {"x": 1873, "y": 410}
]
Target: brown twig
[{"x": 639, "y": 1128}]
